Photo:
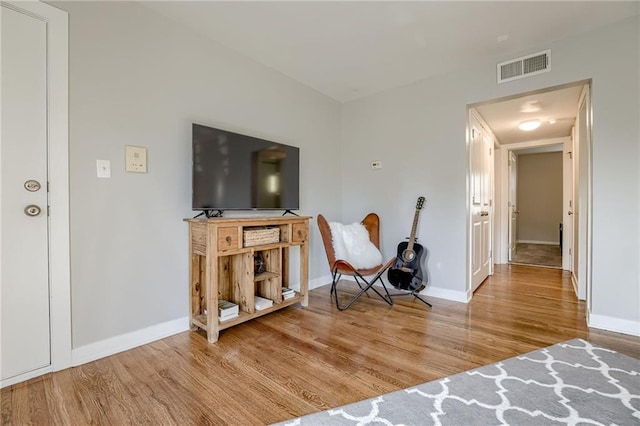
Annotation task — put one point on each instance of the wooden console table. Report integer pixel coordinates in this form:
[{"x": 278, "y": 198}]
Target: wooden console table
[{"x": 222, "y": 268}]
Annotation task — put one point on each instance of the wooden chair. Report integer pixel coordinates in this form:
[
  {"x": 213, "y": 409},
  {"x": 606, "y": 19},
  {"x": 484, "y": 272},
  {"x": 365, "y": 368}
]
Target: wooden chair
[{"x": 341, "y": 267}]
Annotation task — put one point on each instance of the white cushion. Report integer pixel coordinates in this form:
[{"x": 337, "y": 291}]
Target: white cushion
[{"x": 352, "y": 243}]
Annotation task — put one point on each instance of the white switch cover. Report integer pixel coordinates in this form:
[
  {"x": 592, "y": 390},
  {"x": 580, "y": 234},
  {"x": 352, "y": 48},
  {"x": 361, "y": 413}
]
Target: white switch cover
[
  {"x": 376, "y": 165},
  {"x": 135, "y": 159},
  {"x": 103, "y": 168}
]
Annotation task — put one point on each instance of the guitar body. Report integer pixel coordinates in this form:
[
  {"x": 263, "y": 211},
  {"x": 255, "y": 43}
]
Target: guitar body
[{"x": 408, "y": 274}]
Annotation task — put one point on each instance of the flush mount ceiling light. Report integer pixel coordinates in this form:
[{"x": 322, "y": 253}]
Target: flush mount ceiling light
[{"x": 527, "y": 126}]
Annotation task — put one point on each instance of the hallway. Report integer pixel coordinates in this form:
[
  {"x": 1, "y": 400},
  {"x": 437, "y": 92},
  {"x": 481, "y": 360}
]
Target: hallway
[{"x": 538, "y": 254}]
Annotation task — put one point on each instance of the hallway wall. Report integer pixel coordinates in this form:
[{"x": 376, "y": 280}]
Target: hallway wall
[{"x": 539, "y": 197}]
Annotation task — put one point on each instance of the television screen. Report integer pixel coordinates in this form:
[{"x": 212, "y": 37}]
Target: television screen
[{"x": 238, "y": 172}]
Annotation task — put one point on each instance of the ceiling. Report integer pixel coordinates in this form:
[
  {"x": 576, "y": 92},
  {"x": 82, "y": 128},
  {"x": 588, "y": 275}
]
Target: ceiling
[
  {"x": 555, "y": 109},
  {"x": 351, "y": 49}
]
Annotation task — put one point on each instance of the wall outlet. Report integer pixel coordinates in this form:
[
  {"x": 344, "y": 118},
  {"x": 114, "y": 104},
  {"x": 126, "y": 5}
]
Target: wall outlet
[
  {"x": 135, "y": 159},
  {"x": 375, "y": 165}
]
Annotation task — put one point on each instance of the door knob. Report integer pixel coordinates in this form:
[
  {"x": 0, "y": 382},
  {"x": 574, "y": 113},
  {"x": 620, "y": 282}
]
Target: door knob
[
  {"x": 32, "y": 185},
  {"x": 32, "y": 210},
  {"x": 569, "y": 213}
]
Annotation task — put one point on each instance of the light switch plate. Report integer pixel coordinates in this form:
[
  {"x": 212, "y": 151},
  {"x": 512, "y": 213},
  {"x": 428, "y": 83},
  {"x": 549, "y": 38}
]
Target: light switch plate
[
  {"x": 135, "y": 159},
  {"x": 103, "y": 169}
]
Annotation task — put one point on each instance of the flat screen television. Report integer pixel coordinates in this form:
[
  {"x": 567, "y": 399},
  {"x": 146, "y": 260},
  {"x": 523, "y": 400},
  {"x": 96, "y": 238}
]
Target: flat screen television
[{"x": 239, "y": 172}]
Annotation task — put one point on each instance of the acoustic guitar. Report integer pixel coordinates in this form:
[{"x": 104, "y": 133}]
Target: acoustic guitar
[{"x": 406, "y": 272}]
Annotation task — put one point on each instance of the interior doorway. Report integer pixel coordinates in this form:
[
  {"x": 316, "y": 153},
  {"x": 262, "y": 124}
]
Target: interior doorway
[
  {"x": 561, "y": 130},
  {"x": 535, "y": 205}
]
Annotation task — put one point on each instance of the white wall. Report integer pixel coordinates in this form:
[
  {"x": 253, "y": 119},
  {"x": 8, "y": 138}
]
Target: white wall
[
  {"x": 418, "y": 132},
  {"x": 540, "y": 197},
  {"x": 137, "y": 78}
]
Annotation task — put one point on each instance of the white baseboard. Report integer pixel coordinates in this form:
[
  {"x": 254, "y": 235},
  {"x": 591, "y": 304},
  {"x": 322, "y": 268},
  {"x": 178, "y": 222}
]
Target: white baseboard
[
  {"x": 319, "y": 282},
  {"x": 618, "y": 325},
  {"x": 549, "y": 243},
  {"x": 445, "y": 293},
  {"x": 574, "y": 283},
  {"x": 440, "y": 293},
  {"x": 124, "y": 342},
  {"x": 26, "y": 376}
]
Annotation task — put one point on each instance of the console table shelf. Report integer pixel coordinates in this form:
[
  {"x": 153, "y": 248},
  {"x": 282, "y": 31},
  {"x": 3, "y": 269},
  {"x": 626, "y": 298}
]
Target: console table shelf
[{"x": 222, "y": 268}]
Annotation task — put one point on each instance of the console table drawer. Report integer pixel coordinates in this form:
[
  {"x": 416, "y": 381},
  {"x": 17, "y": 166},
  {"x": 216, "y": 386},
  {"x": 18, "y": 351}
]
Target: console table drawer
[
  {"x": 300, "y": 231},
  {"x": 227, "y": 238}
]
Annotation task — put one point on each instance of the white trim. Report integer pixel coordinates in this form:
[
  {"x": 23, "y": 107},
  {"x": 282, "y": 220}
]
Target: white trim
[
  {"x": 25, "y": 376},
  {"x": 319, "y": 282},
  {"x": 548, "y": 243},
  {"x": 128, "y": 341},
  {"x": 517, "y": 146},
  {"x": 448, "y": 294},
  {"x": 60, "y": 275},
  {"x": 439, "y": 292},
  {"x": 618, "y": 325},
  {"x": 574, "y": 283}
]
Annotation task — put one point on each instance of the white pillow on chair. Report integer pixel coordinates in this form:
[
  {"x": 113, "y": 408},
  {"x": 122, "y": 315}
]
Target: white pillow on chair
[{"x": 352, "y": 243}]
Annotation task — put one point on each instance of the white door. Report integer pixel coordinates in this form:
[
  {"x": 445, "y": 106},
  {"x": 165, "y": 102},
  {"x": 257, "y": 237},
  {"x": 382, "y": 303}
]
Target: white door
[
  {"x": 25, "y": 327},
  {"x": 513, "y": 205},
  {"x": 567, "y": 203},
  {"x": 481, "y": 194}
]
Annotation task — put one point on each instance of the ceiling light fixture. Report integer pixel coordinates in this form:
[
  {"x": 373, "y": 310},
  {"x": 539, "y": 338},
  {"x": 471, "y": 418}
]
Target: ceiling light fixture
[{"x": 527, "y": 126}]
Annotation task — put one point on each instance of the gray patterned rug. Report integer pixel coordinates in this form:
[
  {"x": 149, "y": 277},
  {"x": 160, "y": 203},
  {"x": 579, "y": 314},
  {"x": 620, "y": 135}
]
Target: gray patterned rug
[{"x": 573, "y": 383}]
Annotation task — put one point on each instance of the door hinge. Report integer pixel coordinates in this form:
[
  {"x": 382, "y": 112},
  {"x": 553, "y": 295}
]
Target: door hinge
[
  {"x": 490, "y": 151},
  {"x": 569, "y": 203},
  {"x": 570, "y": 155},
  {"x": 48, "y": 210},
  {"x": 569, "y": 252},
  {"x": 490, "y": 203}
]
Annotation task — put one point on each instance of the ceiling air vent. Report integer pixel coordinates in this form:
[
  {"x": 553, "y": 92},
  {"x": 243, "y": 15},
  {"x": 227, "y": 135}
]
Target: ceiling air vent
[{"x": 525, "y": 66}]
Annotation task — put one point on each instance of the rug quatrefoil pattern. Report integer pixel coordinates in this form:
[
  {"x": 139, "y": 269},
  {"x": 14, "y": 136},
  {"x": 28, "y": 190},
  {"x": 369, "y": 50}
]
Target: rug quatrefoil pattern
[{"x": 570, "y": 383}]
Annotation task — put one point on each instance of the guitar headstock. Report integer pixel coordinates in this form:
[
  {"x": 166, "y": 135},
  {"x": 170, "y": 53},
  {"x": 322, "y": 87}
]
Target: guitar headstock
[{"x": 420, "y": 203}]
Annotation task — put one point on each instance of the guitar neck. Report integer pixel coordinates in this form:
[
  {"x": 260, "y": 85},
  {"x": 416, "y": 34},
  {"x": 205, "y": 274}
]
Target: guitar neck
[{"x": 412, "y": 238}]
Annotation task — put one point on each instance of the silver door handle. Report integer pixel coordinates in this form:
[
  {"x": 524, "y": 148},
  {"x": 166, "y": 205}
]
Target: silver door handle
[
  {"x": 32, "y": 185},
  {"x": 569, "y": 213},
  {"x": 32, "y": 210}
]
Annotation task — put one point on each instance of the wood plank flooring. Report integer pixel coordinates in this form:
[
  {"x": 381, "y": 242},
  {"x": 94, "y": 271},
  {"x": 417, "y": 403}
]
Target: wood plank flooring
[{"x": 297, "y": 361}]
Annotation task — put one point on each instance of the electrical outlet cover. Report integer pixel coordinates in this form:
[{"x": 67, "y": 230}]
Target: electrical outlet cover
[
  {"x": 135, "y": 159},
  {"x": 103, "y": 169}
]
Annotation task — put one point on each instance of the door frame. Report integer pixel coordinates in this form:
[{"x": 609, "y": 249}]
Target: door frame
[
  {"x": 512, "y": 190},
  {"x": 58, "y": 182},
  {"x": 582, "y": 225},
  {"x": 585, "y": 236},
  {"x": 557, "y": 143}
]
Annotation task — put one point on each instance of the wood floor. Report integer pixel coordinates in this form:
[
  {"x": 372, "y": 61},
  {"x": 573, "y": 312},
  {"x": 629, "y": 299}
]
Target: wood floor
[{"x": 297, "y": 361}]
